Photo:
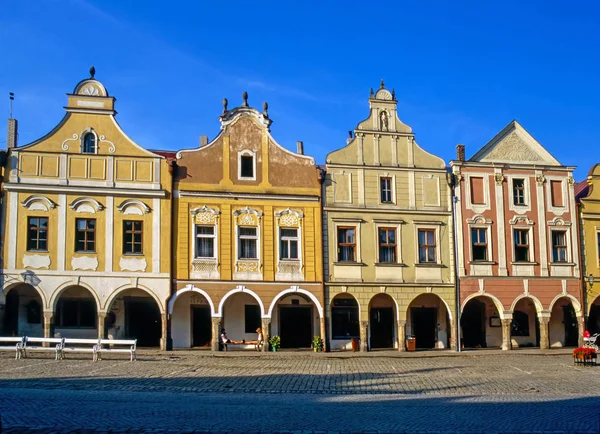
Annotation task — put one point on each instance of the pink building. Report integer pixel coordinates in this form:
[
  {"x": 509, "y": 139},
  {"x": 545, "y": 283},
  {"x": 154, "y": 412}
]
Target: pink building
[{"x": 517, "y": 242}]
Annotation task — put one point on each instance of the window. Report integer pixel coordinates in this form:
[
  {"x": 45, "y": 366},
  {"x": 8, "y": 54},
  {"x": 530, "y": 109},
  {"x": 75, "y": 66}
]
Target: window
[
  {"x": 251, "y": 318},
  {"x": 519, "y": 191},
  {"x": 557, "y": 194},
  {"x": 85, "y": 235},
  {"x": 521, "y": 245},
  {"x": 387, "y": 245},
  {"x": 479, "y": 244},
  {"x": 247, "y": 243},
  {"x": 37, "y": 234},
  {"x": 559, "y": 246},
  {"x": 132, "y": 237},
  {"x": 477, "y": 191},
  {"x": 76, "y": 312},
  {"x": 386, "y": 189},
  {"x": 89, "y": 144},
  {"x": 426, "y": 246},
  {"x": 520, "y": 324},
  {"x": 346, "y": 244},
  {"x": 246, "y": 166},
  {"x": 288, "y": 243},
  {"x": 205, "y": 241},
  {"x": 344, "y": 319}
]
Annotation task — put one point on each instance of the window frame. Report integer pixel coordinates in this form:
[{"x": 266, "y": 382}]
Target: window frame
[
  {"x": 289, "y": 240},
  {"x": 346, "y": 244},
  {"x": 87, "y": 134},
  {"x": 241, "y": 237},
  {"x": 133, "y": 242},
  {"x": 37, "y": 231},
  {"x": 527, "y": 232},
  {"x": 565, "y": 246},
  {"x": 381, "y": 245},
  {"x": 434, "y": 246},
  {"x": 86, "y": 231},
  {"x": 389, "y": 191},
  {"x": 213, "y": 237},
  {"x": 352, "y": 311},
  {"x": 521, "y": 189},
  {"x": 247, "y": 153},
  {"x": 479, "y": 243}
]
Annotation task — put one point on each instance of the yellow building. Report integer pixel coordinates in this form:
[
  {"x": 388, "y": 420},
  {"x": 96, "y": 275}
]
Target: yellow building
[
  {"x": 588, "y": 195},
  {"x": 86, "y": 225},
  {"x": 389, "y": 263},
  {"x": 248, "y": 240}
]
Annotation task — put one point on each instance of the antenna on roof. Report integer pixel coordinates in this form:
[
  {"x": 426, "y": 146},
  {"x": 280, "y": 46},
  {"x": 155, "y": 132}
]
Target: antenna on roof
[{"x": 12, "y": 98}]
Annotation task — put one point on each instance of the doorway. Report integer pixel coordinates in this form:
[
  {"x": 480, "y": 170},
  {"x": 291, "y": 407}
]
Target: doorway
[
  {"x": 11, "y": 314},
  {"x": 295, "y": 326},
  {"x": 142, "y": 321},
  {"x": 571, "y": 329},
  {"x": 382, "y": 327},
  {"x": 424, "y": 326},
  {"x": 472, "y": 323},
  {"x": 201, "y": 327}
]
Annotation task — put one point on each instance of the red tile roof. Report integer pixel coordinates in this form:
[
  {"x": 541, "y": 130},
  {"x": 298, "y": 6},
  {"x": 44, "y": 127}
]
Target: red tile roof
[{"x": 581, "y": 190}]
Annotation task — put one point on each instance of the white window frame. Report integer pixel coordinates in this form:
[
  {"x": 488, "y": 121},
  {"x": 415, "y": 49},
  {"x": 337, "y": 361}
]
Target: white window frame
[
  {"x": 519, "y": 209},
  {"x": 531, "y": 244},
  {"x": 486, "y": 228},
  {"x": 566, "y": 233},
  {"x": 245, "y": 153},
  {"x": 214, "y": 238},
  {"x": 436, "y": 228},
  {"x": 392, "y": 179},
  {"x": 558, "y": 210},
  {"x": 248, "y": 237},
  {"x": 90, "y": 130},
  {"x": 559, "y": 225},
  {"x": 397, "y": 225},
  {"x": 297, "y": 238},
  {"x": 478, "y": 208}
]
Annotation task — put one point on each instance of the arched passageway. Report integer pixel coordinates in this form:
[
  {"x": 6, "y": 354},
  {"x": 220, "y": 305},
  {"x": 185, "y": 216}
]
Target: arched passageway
[
  {"x": 295, "y": 319},
  {"x": 563, "y": 327},
  {"x": 23, "y": 312},
  {"x": 593, "y": 322},
  {"x": 525, "y": 326},
  {"x": 191, "y": 321},
  {"x": 75, "y": 314},
  {"x": 427, "y": 320},
  {"x": 480, "y": 324},
  {"x": 241, "y": 316},
  {"x": 345, "y": 319},
  {"x": 382, "y": 322},
  {"x": 134, "y": 314}
]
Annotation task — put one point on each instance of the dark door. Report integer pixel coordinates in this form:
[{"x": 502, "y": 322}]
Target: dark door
[
  {"x": 382, "y": 327},
  {"x": 424, "y": 325},
  {"x": 593, "y": 324},
  {"x": 142, "y": 321},
  {"x": 571, "y": 332},
  {"x": 11, "y": 314},
  {"x": 201, "y": 327},
  {"x": 295, "y": 327},
  {"x": 472, "y": 323}
]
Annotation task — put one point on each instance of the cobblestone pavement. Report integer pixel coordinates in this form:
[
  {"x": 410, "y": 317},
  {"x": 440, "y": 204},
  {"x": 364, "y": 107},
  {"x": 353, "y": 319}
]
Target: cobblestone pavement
[{"x": 301, "y": 392}]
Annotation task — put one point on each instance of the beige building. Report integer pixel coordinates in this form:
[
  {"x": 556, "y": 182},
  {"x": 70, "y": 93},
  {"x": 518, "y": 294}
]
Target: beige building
[
  {"x": 86, "y": 223},
  {"x": 387, "y": 237}
]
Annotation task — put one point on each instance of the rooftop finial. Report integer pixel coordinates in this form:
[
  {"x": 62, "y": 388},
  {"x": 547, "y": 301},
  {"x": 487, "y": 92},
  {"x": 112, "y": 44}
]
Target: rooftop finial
[
  {"x": 266, "y": 109},
  {"x": 394, "y": 94},
  {"x": 371, "y": 92},
  {"x": 224, "y": 106},
  {"x": 245, "y": 98},
  {"x": 92, "y": 71},
  {"x": 382, "y": 85}
]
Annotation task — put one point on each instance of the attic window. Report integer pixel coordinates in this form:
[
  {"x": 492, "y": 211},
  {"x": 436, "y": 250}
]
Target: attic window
[
  {"x": 247, "y": 165},
  {"x": 89, "y": 144}
]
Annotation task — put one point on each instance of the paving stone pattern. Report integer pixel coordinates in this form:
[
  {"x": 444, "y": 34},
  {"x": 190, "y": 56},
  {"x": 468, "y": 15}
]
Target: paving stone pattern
[{"x": 300, "y": 392}]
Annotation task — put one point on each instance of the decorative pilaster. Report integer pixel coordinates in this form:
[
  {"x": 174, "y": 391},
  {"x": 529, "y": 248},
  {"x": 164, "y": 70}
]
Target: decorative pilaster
[
  {"x": 401, "y": 335},
  {"x": 364, "y": 333},
  {"x": 163, "y": 336},
  {"x": 101, "y": 323},
  {"x": 323, "y": 333},
  {"x": 506, "y": 343},
  {"x": 266, "y": 329},
  {"x": 48, "y": 320},
  {"x": 544, "y": 333},
  {"x": 216, "y": 333},
  {"x": 580, "y": 329}
]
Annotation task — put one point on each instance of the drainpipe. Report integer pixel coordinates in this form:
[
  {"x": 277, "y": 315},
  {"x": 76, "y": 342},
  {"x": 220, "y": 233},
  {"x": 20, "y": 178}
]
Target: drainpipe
[
  {"x": 173, "y": 173},
  {"x": 455, "y": 252},
  {"x": 321, "y": 175}
]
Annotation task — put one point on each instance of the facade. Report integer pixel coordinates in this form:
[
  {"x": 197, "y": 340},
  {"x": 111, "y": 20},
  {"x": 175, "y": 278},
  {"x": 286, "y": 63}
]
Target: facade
[
  {"x": 588, "y": 194},
  {"x": 86, "y": 229},
  {"x": 248, "y": 238},
  {"x": 518, "y": 245},
  {"x": 388, "y": 237}
]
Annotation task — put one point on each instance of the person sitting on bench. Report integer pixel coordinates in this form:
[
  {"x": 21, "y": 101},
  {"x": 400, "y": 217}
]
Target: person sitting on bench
[
  {"x": 226, "y": 340},
  {"x": 259, "y": 340}
]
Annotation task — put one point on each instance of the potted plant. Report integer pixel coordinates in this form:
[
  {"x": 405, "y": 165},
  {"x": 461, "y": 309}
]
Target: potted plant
[
  {"x": 317, "y": 343},
  {"x": 275, "y": 342},
  {"x": 584, "y": 355}
]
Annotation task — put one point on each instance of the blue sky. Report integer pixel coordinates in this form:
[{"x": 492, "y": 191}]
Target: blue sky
[{"x": 461, "y": 70}]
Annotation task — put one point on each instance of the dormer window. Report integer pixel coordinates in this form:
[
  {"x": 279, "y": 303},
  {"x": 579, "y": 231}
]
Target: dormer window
[
  {"x": 89, "y": 144},
  {"x": 247, "y": 165}
]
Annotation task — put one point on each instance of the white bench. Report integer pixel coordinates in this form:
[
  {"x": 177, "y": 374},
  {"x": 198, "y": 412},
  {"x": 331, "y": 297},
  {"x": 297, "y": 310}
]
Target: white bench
[
  {"x": 9, "y": 343},
  {"x": 78, "y": 345},
  {"x": 36, "y": 344},
  {"x": 107, "y": 346}
]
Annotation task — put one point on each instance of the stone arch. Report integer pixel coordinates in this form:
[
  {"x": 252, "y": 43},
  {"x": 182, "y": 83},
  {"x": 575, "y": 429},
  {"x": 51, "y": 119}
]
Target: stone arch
[
  {"x": 351, "y": 295},
  {"x": 58, "y": 292},
  {"x": 122, "y": 288},
  {"x": 448, "y": 310},
  {"x": 237, "y": 289},
  {"x": 497, "y": 303},
  {"x": 292, "y": 290},
  {"x": 538, "y": 305},
  {"x": 13, "y": 284},
  {"x": 190, "y": 288},
  {"x": 574, "y": 301},
  {"x": 389, "y": 295}
]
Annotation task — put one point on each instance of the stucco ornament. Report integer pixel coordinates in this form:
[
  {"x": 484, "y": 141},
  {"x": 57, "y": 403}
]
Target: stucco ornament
[
  {"x": 499, "y": 178},
  {"x": 65, "y": 146},
  {"x": 383, "y": 121},
  {"x": 90, "y": 90},
  {"x": 247, "y": 216},
  {"x": 112, "y": 148},
  {"x": 133, "y": 264},
  {"x": 289, "y": 220},
  {"x": 540, "y": 179},
  {"x": 513, "y": 148},
  {"x": 248, "y": 266},
  {"x": 36, "y": 262},
  {"x": 570, "y": 181},
  {"x": 85, "y": 263}
]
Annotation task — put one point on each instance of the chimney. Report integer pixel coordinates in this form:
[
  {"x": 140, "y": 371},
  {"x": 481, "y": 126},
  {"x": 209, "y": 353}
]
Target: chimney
[
  {"x": 203, "y": 141},
  {"x": 300, "y": 146},
  {"x": 11, "y": 141},
  {"x": 349, "y": 139},
  {"x": 460, "y": 152}
]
